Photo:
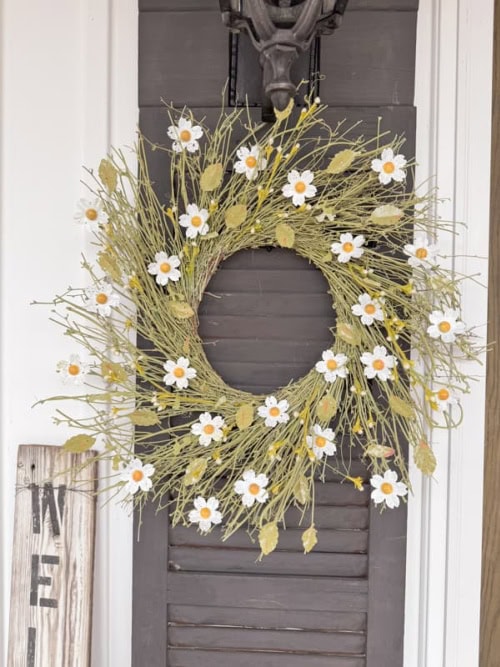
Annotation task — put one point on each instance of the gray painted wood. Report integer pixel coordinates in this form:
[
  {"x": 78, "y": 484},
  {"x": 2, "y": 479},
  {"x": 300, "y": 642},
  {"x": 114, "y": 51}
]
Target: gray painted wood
[
  {"x": 190, "y": 5},
  {"x": 195, "y": 658}
]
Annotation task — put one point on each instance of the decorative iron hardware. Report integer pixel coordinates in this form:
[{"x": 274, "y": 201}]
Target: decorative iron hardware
[{"x": 281, "y": 30}]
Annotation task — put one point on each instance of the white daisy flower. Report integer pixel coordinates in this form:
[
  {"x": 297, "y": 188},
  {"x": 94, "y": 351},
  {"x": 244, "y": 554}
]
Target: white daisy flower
[
  {"x": 445, "y": 325},
  {"x": 250, "y": 162},
  {"x": 74, "y": 370},
  {"x": 321, "y": 441},
  {"x": 368, "y": 309},
  {"x": 208, "y": 428},
  {"x": 421, "y": 253},
  {"x": 252, "y": 488},
  {"x": 178, "y": 372},
  {"x": 165, "y": 268},
  {"x": 442, "y": 399},
  {"x": 101, "y": 299},
  {"x": 349, "y": 247},
  {"x": 387, "y": 489},
  {"x": 205, "y": 513},
  {"x": 185, "y": 136},
  {"x": 137, "y": 476},
  {"x": 90, "y": 213},
  {"x": 299, "y": 186},
  {"x": 329, "y": 217},
  {"x": 390, "y": 167},
  {"x": 195, "y": 221},
  {"x": 274, "y": 412},
  {"x": 332, "y": 366},
  {"x": 378, "y": 363}
]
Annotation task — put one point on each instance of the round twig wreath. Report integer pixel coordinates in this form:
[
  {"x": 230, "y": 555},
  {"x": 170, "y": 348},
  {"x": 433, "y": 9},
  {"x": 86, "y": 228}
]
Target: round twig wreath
[{"x": 214, "y": 454}]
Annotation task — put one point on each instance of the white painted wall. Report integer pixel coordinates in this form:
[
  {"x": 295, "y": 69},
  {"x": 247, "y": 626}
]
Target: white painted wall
[{"x": 68, "y": 90}]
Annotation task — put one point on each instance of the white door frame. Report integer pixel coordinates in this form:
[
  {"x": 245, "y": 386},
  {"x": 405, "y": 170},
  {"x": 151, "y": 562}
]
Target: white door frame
[{"x": 453, "y": 97}]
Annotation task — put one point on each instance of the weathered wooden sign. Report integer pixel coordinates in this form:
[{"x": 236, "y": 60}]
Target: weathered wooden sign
[{"x": 53, "y": 559}]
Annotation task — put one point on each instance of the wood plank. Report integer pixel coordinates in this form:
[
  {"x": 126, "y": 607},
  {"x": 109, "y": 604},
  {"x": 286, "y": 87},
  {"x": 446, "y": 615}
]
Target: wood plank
[
  {"x": 267, "y": 351},
  {"x": 231, "y": 560},
  {"x": 336, "y": 541},
  {"x": 274, "y": 280},
  {"x": 266, "y": 619},
  {"x": 287, "y": 641},
  {"x": 53, "y": 558},
  {"x": 190, "y": 5},
  {"x": 264, "y": 305},
  {"x": 490, "y": 584},
  {"x": 197, "y": 658},
  {"x": 260, "y": 592}
]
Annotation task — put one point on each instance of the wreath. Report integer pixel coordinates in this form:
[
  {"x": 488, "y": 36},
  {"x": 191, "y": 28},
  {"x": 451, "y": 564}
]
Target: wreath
[{"x": 173, "y": 430}]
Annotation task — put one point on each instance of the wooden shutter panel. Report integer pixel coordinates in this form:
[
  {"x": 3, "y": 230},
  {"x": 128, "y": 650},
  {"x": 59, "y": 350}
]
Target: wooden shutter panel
[{"x": 202, "y": 603}]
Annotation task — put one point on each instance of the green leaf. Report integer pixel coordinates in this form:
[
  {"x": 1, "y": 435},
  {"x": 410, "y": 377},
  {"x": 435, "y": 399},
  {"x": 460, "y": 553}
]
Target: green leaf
[
  {"x": 195, "y": 471},
  {"x": 401, "y": 407},
  {"x": 348, "y": 333},
  {"x": 244, "y": 416},
  {"x": 79, "y": 444},
  {"x": 341, "y": 161},
  {"x": 109, "y": 265},
  {"x": 144, "y": 417},
  {"x": 285, "y": 235},
  {"x": 180, "y": 310},
  {"x": 326, "y": 408},
  {"x": 235, "y": 216},
  {"x": 268, "y": 538},
  {"x": 301, "y": 490},
  {"x": 283, "y": 115},
  {"x": 113, "y": 372},
  {"x": 309, "y": 539},
  {"x": 108, "y": 175},
  {"x": 211, "y": 177},
  {"x": 424, "y": 458}
]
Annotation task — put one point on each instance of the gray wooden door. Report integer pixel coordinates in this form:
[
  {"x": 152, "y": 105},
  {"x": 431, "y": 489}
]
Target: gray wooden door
[{"x": 201, "y": 603}]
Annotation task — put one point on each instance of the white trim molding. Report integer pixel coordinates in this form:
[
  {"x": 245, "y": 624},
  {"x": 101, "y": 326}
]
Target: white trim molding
[{"x": 453, "y": 99}]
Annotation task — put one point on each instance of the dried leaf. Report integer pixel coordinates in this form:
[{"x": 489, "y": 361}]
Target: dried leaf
[
  {"x": 235, "y": 216},
  {"x": 180, "y": 310},
  {"x": 113, "y": 372},
  {"x": 108, "y": 175},
  {"x": 211, "y": 177},
  {"x": 220, "y": 401},
  {"x": 268, "y": 538},
  {"x": 379, "y": 451},
  {"x": 424, "y": 458},
  {"x": 144, "y": 417},
  {"x": 79, "y": 444},
  {"x": 283, "y": 115},
  {"x": 109, "y": 265},
  {"x": 285, "y": 235},
  {"x": 309, "y": 539},
  {"x": 326, "y": 408},
  {"x": 341, "y": 161},
  {"x": 301, "y": 490},
  {"x": 401, "y": 407},
  {"x": 195, "y": 471},
  {"x": 244, "y": 416},
  {"x": 116, "y": 462},
  {"x": 386, "y": 215},
  {"x": 348, "y": 333}
]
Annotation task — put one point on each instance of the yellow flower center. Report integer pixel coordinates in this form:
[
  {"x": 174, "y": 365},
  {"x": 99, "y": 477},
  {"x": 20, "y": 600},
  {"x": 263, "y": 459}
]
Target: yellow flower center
[
  {"x": 386, "y": 488},
  {"x": 91, "y": 214},
  {"x": 274, "y": 412},
  {"x": 320, "y": 441},
  {"x": 443, "y": 394},
  {"x": 251, "y": 162},
  {"x": 205, "y": 513},
  {"x": 208, "y": 429},
  {"x": 348, "y": 247},
  {"x": 378, "y": 364},
  {"x": 421, "y": 253},
  {"x": 444, "y": 327},
  {"x": 101, "y": 298},
  {"x": 370, "y": 309},
  {"x": 185, "y": 135},
  {"x": 254, "y": 488},
  {"x": 389, "y": 167},
  {"x": 165, "y": 267},
  {"x": 179, "y": 372},
  {"x": 331, "y": 364},
  {"x": 137, "y": 475},
  {"x": 300, "y": 187},
  {"x": 196, "y": 221},
  {"x": 73, "y": 369}
]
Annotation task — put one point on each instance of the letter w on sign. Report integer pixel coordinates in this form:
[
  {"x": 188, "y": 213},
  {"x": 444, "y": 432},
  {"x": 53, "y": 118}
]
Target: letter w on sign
[{"x": 53, "y": 559}]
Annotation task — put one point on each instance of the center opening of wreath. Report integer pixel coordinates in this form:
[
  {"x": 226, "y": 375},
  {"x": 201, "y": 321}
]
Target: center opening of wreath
[{"x": 265, "y": 318}]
